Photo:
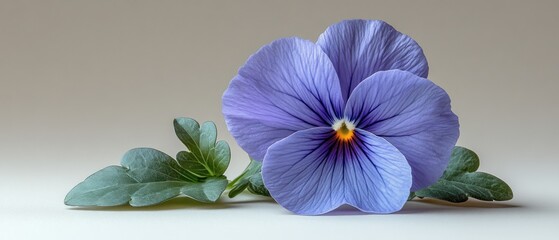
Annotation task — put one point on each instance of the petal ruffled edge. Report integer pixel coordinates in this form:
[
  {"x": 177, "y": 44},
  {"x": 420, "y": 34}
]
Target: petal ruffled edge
[{"x": 359, "y": 48}]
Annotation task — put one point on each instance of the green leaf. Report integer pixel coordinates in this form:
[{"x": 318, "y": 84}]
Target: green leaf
[
  {"x": 256, "y": 185},
  {"x": 461, "y": 181},
  {"x": 205, "y": 157},
  {"x": 250, "y": 179},
  {"x": 151, "y": 165},
  {"x": 411, "y": 196},
  {"x": 146, "y": 177}
]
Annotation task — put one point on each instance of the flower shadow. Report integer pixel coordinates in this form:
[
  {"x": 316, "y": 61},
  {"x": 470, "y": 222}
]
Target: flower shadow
[
  {"x": 180, "y": 203},
  {"x": 430, "y": 206},
  {"x": 434, "y": 205},
  {"x": 345, "y": 210}
]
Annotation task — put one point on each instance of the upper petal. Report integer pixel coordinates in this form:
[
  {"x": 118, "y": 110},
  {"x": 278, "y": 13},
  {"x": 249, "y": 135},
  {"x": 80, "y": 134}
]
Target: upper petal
[
  {"x": 413, "y": 114},
  {"x": 312, "y": 172},
  {"x": 286, "y": 86},
  {"x": 359, "y": 48}
]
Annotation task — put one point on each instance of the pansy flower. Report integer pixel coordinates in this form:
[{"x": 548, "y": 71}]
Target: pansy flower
[{"x": 350, "y": 119}]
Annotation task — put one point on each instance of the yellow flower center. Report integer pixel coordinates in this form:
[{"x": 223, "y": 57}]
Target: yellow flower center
[{"x": 344, "y": 130}]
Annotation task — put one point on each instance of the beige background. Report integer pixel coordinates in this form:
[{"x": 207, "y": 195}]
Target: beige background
[{"x": 81, "y": 82}]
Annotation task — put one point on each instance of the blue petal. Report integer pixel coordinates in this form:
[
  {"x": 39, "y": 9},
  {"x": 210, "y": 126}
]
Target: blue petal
[
  {"x": 413, "y": 114},
  {"x": 312, "y": 172},
  {"x": 288, "y": 85},
  {"x": 359, "y": 48}
]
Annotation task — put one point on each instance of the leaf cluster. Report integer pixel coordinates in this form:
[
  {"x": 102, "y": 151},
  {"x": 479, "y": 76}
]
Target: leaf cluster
[
  {"x": 148, "y": 176},
  {"x": 461, "y": 181}
]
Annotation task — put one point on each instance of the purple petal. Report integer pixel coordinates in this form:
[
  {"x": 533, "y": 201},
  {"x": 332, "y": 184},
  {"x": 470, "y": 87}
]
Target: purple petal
[
  {"x": 359, "y": 48},
  {"x": 413, "y": 114},
  {"x": 312, "y": 172},
  {"x": 288, "y": 85}
]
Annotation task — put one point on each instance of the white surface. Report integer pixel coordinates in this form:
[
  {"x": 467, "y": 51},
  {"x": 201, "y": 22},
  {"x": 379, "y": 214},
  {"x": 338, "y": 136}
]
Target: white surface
[
  {"x": 37, "y": 212},
  {"x": 81, "y": 82}
]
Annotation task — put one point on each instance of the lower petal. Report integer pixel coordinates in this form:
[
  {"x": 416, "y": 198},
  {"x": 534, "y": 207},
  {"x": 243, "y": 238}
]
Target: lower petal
[
  {"x": 377, "y": 176},
  {"x": 303, "y": 173},
  {"x": 312, "y": 172}
]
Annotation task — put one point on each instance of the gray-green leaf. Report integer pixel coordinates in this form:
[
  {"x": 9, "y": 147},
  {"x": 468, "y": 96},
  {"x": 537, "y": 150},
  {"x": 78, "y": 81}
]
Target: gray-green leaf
[
  {"x": 146, "y": 177},
  {"x": 250, "y": 179},
  {"x": 461, "y": 181},
  {"x": 205, "y": 157}
]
